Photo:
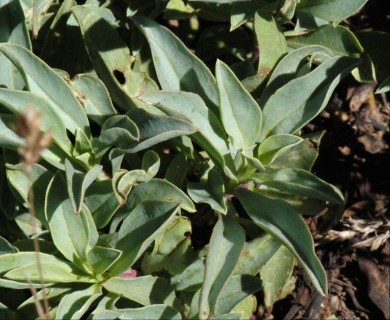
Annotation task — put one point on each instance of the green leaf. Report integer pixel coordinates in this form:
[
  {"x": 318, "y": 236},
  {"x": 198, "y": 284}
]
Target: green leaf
[
  {"x": 176, "y": 67},
  {"x": 73, "y": 234},
  {"x": 337, "y": 38},
  {"x": 102, "y": 258},
  {"x": 118, "y": 130},
  {"x": 123, "y": 180},
  {"x": 76, "y": 304},
  {"x": 6, "y": 247},
  {"x": 210, "y": 190},
  {"x": 271, "y": 41},
  {"x": 300, "y": 100},
  {"x": 39, "y": 179},
  {"x": 46, "y": 83},
  {"x": 13, "y": 30},
  {"x": 111, "y": 57},
  {"x": 211, "y": 135},
  {"x": 291, "y": 66},
  {"x": 191, "y": 278},
  {"x": 78, "y": 183},
  {"x": 331, "y": 10},
  {"x": 12, "y": 24},
  {"x": 237, "y": 289},
  {"x": 154, "y": 129},
  {"x": 23, "y": 264},
  {"x": 288, "y": 151},
  {"x": 240, "y": 114},
  {"x": 39, "y": 9},
  {"x": 146, "y": 290},
  {"x": 94, "y": 96},
  {"x": 299, "y": 182},
  {"x": 150, "y": 312},
  {"x": 19, "y": 101},
  {"x": 384, "y": 86},
  {"x": 158, "y": 190},
  {"x": 177, "y": 171},
  {"x": 8, "y": 138},
  {"x": 281, "y": 221},
  {"x": 226, "y": 244},
  {"x": 276, "y": 274},
  {"x": 140, "y": 228},
  {"x": 255, "y": 255},
  {"x": 101, "y": 201}
]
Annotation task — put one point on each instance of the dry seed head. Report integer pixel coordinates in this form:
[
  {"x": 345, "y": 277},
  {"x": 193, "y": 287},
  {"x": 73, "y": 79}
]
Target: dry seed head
[{"x": 27, "y": 126}]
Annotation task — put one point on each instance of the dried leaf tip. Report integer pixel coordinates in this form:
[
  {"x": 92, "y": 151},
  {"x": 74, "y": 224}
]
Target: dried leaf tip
[{"x": 28, "y": 127}]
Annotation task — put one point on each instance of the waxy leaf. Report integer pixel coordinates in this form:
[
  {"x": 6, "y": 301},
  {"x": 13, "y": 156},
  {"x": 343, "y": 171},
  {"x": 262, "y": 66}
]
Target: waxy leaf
[
  {"x": 155, "y": 311},
  {"x": 176, "y": 67},
  {"x": 111, "y": 57},
  {"x": 73, "y": 234},
  {"x": 280, "y": 220},
  {"x": 94, "y": 96},
  {"x": 78, "y": 182},
  {"x": 41, "y": 80},
  {"x": 299, "y": 182},
  {"x": 282, "y": 117},
  {"x": 158, "y": 190},
  {"x": 271, "y": 41},
  {"x": 13, "y": 30},
  {"x": 240, "y": 114},
  {"x": 237, "y": 289},
  {"x": 210, "y": 190},
  {"x": 154, "y": 129},
  {"x": 331, "y": 10},
  {"x": 146, "y": 290},
  {"x": 23, "y": 264},
  {"x": 140, "y": 228},
  {"x": 76, "y": 304},
  {"x": 226, "y": 244},
  {"x": 276, "y": 274},
  {"x": 19, "y": 101},
  {"x": 8, "y": 138},
  {"x": 211, "y": 135}
]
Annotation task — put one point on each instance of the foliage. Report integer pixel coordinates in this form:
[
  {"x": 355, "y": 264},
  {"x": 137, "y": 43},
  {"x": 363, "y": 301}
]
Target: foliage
[{"x": 169, "y": 190}]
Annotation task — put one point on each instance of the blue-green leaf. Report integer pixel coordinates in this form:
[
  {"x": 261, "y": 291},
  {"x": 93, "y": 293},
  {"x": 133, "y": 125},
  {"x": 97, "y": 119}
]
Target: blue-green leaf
[
  {"x": 176, "y": 67},
  {"x": 280, "y": 220},
  {"x": 240, "y": 114}
]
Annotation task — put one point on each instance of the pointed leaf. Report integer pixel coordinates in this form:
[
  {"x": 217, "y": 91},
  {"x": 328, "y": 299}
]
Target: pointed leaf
[
  {"x": 211, "y": 135},
  {"x": 146, "y": 290},
  {"x": 158, "y": 190},
  {"x": 155, "y": 129},
  {"x": 331, "y": 10},
  {"x": 75, "y": 305},
  {"x": 271, "y": 41},
  {"x": 111, "y": 57},
  {"x": 74, "y": 235},
  {"x": 280, "y": 220},
  {"x": 176, "y": 67},
  {"x": 140, "y": 228},
  {"x": 44, "y": 82},
  {"x": 237, "y": 289},
  {"x": 300, "y": 182},
  {"x": 276, "y": 274},
  {"x": 209, "y": 190},
  {"x": 240, "y": 114},
  {"x": 300, "y": 100},
  {"x": 226, "y": 244}
]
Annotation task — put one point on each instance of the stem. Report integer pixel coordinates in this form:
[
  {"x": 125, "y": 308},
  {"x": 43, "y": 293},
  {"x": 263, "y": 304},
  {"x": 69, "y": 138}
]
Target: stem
[{"x": 36, "y": 248}]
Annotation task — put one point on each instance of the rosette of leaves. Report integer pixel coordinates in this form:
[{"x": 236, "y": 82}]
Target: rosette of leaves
[{"x": 140, "y": 119}]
